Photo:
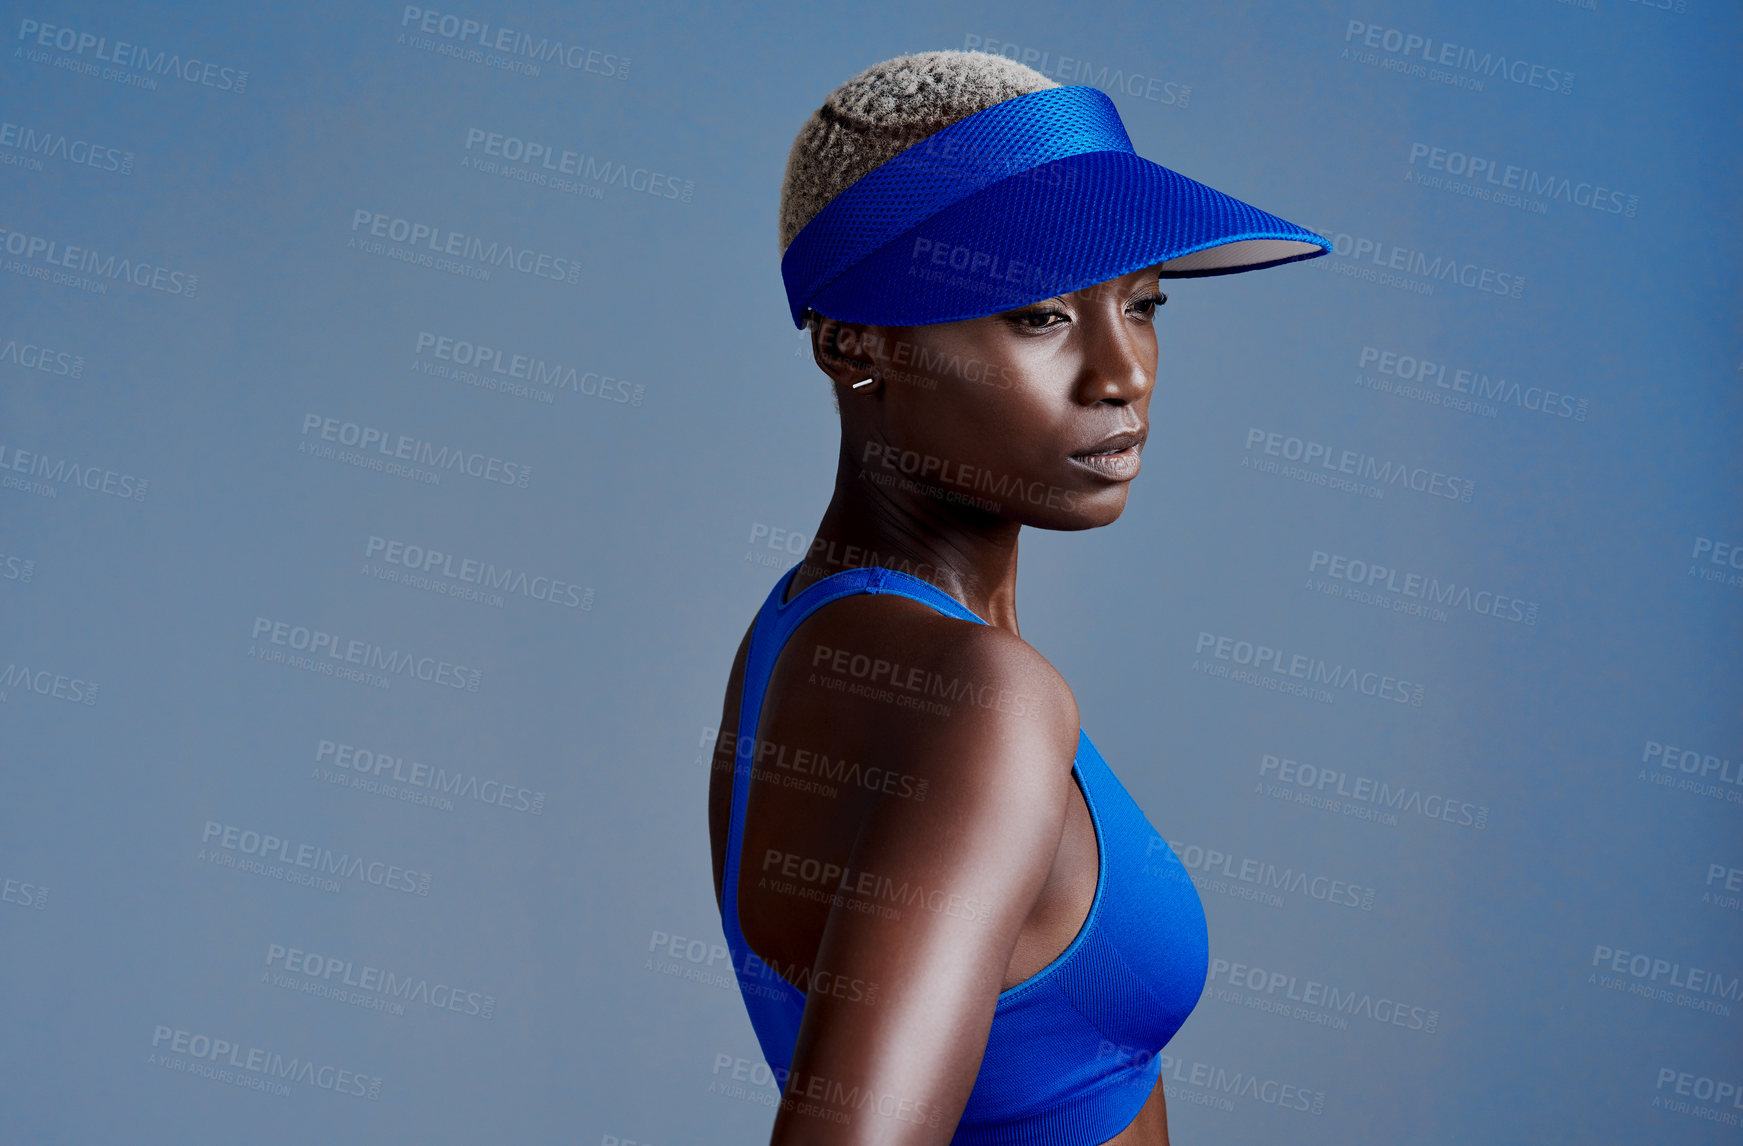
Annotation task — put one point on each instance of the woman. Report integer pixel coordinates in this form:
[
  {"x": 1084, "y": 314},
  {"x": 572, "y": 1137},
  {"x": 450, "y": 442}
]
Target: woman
[{"x": 950, "y": 922}]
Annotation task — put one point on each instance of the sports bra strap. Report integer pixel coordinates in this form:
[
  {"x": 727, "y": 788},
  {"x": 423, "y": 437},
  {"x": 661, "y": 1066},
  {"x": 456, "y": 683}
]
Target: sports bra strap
[{"x": 774, "y": 624}]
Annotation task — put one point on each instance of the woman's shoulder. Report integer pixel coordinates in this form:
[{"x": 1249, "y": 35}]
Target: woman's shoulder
[
  {"x": 922, "y": 682},
  {"x": 911, "y": 702}
]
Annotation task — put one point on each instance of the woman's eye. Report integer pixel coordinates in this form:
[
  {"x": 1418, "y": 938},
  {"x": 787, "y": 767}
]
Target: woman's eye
[
  {"x": 1151, "y": 303},
  {"x": 1035, "y": 319},
  {"x": 1040, "y": 319}
]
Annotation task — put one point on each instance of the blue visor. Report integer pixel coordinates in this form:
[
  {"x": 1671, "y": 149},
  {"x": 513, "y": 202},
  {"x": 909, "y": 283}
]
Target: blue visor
[{"x": 1036, "y": 196}]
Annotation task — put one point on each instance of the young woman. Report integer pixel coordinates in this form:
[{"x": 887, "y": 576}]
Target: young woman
[{"x": 949, "y": 920}]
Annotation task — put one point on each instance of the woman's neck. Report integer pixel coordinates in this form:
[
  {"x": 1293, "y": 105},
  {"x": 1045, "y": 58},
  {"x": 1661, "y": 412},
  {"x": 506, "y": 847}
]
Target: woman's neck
[{"x": 903, "y": 525}]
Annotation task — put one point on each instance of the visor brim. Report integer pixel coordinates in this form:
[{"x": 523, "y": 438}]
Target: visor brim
[{"x": 1054, "y": 229}]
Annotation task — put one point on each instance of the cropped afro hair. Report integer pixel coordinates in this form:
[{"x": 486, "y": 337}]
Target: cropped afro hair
[{"x": 883, "y": 110}]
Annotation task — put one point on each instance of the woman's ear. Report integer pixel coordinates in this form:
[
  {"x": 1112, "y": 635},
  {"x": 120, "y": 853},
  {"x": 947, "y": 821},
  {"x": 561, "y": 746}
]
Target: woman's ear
[{"x": 840, "y": 350}]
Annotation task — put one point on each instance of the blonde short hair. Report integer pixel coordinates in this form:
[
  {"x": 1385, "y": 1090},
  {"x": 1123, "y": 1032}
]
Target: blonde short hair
[{"x": 883, "y": 110}]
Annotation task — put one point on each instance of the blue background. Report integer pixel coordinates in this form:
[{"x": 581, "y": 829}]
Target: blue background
[{"x": 682, "y": 469}]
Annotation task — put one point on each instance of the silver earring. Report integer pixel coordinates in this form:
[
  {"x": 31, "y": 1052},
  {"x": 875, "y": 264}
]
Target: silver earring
[{"x": 863, "y": 382}]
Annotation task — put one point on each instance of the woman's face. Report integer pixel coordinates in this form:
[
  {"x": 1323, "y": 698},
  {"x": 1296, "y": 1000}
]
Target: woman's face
[{"x": 1036, "y": 415}]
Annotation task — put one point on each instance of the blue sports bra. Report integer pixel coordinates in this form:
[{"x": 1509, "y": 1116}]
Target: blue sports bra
[{"x": 1071, "y": 1057}]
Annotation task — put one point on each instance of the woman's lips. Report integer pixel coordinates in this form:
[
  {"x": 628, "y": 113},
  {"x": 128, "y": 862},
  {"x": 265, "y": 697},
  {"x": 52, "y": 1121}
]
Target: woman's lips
[{"x": 1120, "y": 465}]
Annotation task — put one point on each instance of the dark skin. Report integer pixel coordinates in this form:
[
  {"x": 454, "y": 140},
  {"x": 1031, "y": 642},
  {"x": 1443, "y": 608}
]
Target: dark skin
[{"x": 965, "y": 435}]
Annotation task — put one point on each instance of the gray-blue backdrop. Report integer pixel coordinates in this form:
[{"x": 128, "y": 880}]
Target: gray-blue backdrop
[{"x": 400, "y": 422}]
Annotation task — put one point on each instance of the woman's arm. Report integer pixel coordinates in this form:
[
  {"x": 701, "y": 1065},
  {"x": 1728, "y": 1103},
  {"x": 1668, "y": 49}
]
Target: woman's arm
[{"x": 931, "y": 907}]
